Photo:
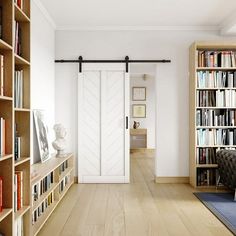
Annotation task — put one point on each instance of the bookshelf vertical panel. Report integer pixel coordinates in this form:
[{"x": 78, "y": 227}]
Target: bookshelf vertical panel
[
  {"x": 7, "y": 20},
  {"x": 25, "y": 27}
]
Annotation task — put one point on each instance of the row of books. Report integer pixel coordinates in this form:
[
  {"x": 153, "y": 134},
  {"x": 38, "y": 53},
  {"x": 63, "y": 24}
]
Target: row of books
[
  {"x": 210, "y": 117},
  {"x": 19, "y": 227},
  {"x": 42, "y": 208},
  {"x": 207, "y": 155},
  {"x": 64, "y": 182},
  {"x": 218, "y": 98},
  {"x": 17, "y": 46},
  {"x": 212, "y": 137},
  {"x": 2, "y": 74},
  {"x": 18, "y": 190},
  {"x": 20, "y": 3},
  {"x": 216, "y": 79},
  {"x": 2, "y": 136},
  {"x": 18, "y": 89},
  {"x": 216, "y": 58},
  {"x": 206, "y": 177},
  {"x": 63, "y": 167},
  {"x": 42, "y": 186}
]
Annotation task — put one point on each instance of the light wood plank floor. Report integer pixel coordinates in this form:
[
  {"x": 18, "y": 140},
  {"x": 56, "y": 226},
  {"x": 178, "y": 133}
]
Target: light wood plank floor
[{"x": 137, "y": 209}]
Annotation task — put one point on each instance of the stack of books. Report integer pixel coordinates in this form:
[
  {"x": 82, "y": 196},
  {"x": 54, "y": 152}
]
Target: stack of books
[
  {"x": 18, "y": 190},
  {"x": 206, "y": 177},
  {"x": 18, "y": 89},
  {"x": 63, "y": 167},
  {"x": 64, "y": 183},
  {"x": 17, "y": 47},
  {"x": 19, "y": 227},
  {"x": 2, "y": 137},
  {"x": 216, "y": 58},
  {"x": 17, "y": 145}
]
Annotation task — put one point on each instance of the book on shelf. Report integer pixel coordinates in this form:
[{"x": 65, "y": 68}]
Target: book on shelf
[
  {"x": 2, "y": 137},
  {"x": 63, "y": 167},
  {"x": 216, "y": 58},
  {"x": 216, "y": 137},
  {"x": 1, "y": 75},
  {"x": 17, "y": 145},
  {"x": 212, "y": 117},
  {"x": 19, "y": 3},
  {"x": 19, "y": 227},
  {"x": 18, "y": 89},
  {"x": 18, "y": 46},
  {"x": 1, "y": 196},
  {"x": 42, "y": 208},
  {"x": 218, "y": 98},
  {"x": 206, "y": 177},
  {"x": 42, "y": 186},
  {"x": 216, "y": 79},
  {"x": 18, "y": 190}
]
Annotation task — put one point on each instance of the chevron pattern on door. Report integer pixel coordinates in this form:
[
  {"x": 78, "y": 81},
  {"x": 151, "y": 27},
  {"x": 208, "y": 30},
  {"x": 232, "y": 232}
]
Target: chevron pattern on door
[
  {"x": 113, "y": 155},
  {"x": 90, "y": 125}
]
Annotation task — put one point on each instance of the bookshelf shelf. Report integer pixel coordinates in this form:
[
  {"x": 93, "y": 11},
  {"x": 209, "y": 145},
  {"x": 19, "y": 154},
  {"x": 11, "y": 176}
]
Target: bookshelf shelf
[
  {"x": 5, "y": 157},
  {"x": 21, "y": 212},
  {"x": 5, "y": 212},
  {"x": 40, "y": 172},
  {"x": 21, "y": 61},
  {"x": 205, "y": 124},
  {"x": 20, "y": 15},
  {"x": 207, "y": 166},
  {"x": 4, "y": 45},
  {"x": 22, "y": 109},
  {"x": 6, "y": 98},
  {"x": 216, "y": 68},
  {"x": 21, "y": 160}
]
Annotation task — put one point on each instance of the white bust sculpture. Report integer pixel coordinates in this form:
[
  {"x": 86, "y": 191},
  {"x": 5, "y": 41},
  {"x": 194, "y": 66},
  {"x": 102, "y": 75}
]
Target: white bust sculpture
[{"x": 60, "y": 143}]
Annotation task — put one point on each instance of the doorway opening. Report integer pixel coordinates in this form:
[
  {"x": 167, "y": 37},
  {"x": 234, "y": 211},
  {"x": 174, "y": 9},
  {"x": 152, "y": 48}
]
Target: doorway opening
[{"x": 142, "y": 122}]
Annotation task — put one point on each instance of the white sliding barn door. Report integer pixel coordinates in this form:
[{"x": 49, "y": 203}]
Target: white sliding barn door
[{"x": 103, "y": 131}]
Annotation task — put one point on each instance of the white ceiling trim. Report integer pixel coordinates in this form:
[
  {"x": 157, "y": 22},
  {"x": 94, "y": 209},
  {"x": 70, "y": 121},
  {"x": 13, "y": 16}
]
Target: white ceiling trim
[
  {"x": 45, "y": 13},
  {"x": 138, "y": 28}
]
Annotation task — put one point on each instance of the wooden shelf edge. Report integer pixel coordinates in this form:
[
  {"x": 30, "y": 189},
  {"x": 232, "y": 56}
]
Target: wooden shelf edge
[
  {"x": 206, "y": 166},
  {"x": 5, "y": 212},
  {"x": 215, "y": 68},
  {"x": 21, "y": 61},
  {"x": 4, "y": 45},
  {"x": 216, "y": 146},
  {"x": 44, "y": 196},
  {"x": 5, "y": 157},
  {"x": 22, "y": 109},
  {"x": 21, "y": 212},
  {"x": 221, "y": 88},
  {"x": 216, "y": 108},
  {"x": 6, "y": 98},
  {"x": 215, "y": 127},
  {"x": 22, "y": 160},
  {"x": 20, "y": 15}
]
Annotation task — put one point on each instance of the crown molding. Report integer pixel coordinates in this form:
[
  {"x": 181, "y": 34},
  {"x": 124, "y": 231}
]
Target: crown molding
[
  {"x": 44, "y": 11},
  {"x": 137, "y": 28},
  {"x": 228, "y": 26}
]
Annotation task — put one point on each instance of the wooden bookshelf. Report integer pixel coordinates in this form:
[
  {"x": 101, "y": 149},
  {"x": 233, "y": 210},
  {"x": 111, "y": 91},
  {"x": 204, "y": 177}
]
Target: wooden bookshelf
[
  {"x": 8, "y": 164},
  {"x": 196, "y": 168},
  {"x": 39, "y": 172}
]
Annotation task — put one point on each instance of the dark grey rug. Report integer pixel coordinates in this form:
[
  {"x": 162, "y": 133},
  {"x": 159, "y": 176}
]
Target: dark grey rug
[{"x": 222, "y": 205}]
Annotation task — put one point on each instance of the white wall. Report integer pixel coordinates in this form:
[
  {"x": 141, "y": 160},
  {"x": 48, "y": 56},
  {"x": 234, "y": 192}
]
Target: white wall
[
  {"x": 171, "y": 84},
  {"x": 42, "y": 70},
  {"x": 148, "y": 122}
]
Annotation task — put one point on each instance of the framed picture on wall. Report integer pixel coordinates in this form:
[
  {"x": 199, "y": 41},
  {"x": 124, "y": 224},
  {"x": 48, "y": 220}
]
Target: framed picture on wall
[
  {"x": 139, "y": 110},
  {"x": 139, "y": 93}
]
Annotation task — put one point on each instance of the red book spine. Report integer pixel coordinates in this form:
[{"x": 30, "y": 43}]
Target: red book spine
[{"x": 0, "y": 194}]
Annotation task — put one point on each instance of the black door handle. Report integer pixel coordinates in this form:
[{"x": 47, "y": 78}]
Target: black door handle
[{"x": 127, "y": 122}]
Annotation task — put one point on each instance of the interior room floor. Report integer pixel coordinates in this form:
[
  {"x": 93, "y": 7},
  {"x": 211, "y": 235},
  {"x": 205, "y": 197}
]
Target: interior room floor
[{"x": 137, "y": 209}]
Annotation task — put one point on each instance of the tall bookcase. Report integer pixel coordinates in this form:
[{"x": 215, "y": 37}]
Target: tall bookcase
[
  {"x": 15, "y": 11},
  {"x": 212, "y": 106}
]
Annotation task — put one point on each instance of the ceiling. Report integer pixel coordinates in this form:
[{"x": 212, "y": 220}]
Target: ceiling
[{"x": 143, "y": 14}]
